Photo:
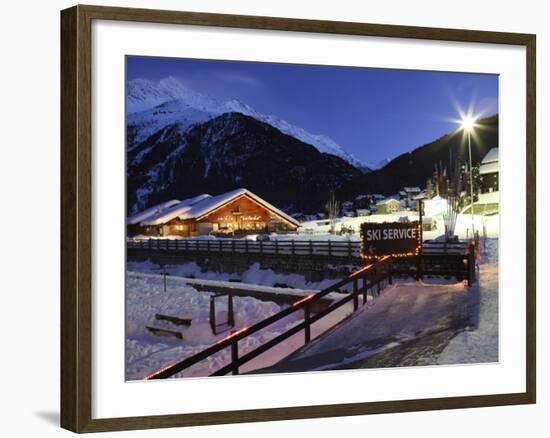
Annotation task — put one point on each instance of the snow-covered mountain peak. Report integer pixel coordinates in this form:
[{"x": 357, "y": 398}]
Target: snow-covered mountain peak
[
  {"x": 236, "y": 106},
  {"x": 144, "y": 94},
  {"x": 153, "y": 105},
  {"x": 376, "y": 165}
]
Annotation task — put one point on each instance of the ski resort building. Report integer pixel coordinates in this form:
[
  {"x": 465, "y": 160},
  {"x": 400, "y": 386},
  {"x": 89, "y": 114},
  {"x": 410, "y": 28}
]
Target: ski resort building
[
  {"x": 388, "y": 206},
  {"x": 488, "y": 172},
  {"x": 233, "y": 213}
]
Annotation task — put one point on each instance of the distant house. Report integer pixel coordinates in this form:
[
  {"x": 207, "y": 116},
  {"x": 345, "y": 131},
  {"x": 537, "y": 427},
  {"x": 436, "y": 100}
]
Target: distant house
[
  {"x": 408, "y": 194},
  {"x": 362, "y": 201},
  {"x": 428, "y": 223},
  {"x": 412, "y": 190},
  {"x": 237, "y": 212},
  {"x": 388, "y": 206},
  {"x": 488, "y": 172},
  {"x": 422, "y": 196},
  {"x": 300, "y": 217},
  {"x": 362, "y": 212},
  {"x": 347, "y": 206}
]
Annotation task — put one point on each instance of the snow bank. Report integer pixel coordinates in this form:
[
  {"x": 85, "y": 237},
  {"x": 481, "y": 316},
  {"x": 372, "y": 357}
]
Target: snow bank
[
  {"x": 320, "y": 229},
  {"x": 253, "y": 275},
  {"x": 146, "y": 353}
]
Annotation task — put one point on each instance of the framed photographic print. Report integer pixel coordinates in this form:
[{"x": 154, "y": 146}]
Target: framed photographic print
[{"x": 268, "y": 218}]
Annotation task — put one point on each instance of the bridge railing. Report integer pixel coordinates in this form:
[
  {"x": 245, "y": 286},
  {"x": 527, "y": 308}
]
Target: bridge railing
[{"x": 371, "y": 277}]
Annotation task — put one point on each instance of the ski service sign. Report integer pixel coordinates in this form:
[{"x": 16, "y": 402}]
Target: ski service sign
[{"x": 399, "y": 239}]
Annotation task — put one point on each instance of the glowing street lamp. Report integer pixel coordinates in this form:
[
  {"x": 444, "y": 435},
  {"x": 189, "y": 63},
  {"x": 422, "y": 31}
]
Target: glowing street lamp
[{"x": 468, "y": 123}]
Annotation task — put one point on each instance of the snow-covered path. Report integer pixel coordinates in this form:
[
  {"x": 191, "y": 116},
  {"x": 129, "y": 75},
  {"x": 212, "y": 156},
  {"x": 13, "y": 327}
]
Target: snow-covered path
[
  {"x": 403, "y": 313},
  {"x": 479, "y": 344},
  {"x": 413, "y": 324}
]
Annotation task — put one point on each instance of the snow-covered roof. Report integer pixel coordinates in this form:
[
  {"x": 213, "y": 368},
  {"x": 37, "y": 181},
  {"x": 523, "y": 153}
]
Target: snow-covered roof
[
  {"x": 359, "y": 197},
  {"x": 201, "y": 205},
  {"x": 378, "y": 196},
  {"x": 402, "y": 193},
  {"x": 412, "y": 189},
  {"x": 175, "y": 211},
  {"x": 492, "y": 156},
  {"x": 151, "y": 211},
  {"x": 387, "y": 201},
  {"x": 486, "y": 168}
]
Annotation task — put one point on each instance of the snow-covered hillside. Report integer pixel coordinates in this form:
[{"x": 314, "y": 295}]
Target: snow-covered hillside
[
  {"x": 375, "y": 165},
  {"x": 154, "y": 105}
]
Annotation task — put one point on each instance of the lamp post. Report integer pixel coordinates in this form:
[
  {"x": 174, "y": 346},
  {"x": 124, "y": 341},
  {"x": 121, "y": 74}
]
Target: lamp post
[{"x": 468, "y": 124}]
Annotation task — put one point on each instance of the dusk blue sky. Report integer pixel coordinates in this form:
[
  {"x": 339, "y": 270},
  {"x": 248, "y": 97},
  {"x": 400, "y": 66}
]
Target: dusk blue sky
[{"x": 372, "y": 113}]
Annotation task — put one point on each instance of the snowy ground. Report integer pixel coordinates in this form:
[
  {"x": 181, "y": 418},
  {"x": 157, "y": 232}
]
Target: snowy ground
[
  {"x": 413, "y": 324},
  {"x": 319, "y": 229},
  {"x": 410, "y": 324},
  {"x": 147, "y": 352},
  {"x": 253, "y": 275},
  {"x": 479, "y": 343}
]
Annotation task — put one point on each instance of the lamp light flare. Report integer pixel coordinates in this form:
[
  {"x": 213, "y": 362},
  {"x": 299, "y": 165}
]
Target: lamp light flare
[{"x": 468, "y": 122}]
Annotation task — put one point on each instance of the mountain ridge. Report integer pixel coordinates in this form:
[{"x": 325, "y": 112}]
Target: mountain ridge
[
  {"x": 153, "y": 105},
  {"x": 230, "y": 151}
]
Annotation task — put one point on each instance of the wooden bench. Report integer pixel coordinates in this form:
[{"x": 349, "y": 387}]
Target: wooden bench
[
  {"x": 177, "y": 320},
  {"x": 164, "y": 332}
]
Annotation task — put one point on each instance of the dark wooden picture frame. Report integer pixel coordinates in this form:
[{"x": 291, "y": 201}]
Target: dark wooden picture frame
[{"x": 76, "y": 218}]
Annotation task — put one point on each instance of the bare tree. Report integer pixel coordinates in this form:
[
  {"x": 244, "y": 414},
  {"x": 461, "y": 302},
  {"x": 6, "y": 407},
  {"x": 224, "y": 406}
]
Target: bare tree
[
  {"x": 332, "y": 206},
  {"x": 454, "y": 190}
]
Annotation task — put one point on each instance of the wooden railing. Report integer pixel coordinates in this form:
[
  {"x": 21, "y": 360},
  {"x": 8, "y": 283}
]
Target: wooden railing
[
  {"x": 371, "y": 277},
  {"x": 437, "y": 258},
  {"x": 332, "y": 248}
]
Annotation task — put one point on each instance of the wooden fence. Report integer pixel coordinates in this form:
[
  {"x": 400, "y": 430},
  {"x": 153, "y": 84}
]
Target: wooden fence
[
  {"x": 371, "y": 277},
  {"x": 437, "y": 258},
  {"x": 331, "y": 248}
]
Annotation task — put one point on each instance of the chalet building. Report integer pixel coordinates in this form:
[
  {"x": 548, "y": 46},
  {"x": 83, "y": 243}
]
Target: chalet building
[
  {"x": 233, "y": 213},
  {"x": 410, "y": 193},
  {"x": 422, "y": 196},
  {"x": 488, "y": 172},
  {"x": 388, "y": 206}
]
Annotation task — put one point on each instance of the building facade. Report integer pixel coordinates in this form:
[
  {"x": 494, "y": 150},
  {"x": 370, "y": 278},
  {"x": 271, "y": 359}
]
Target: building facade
[
  {"x": 233, "y": 213},
  {"x": 388, "y": 206},
  {"x": 488, "y": 172}
]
